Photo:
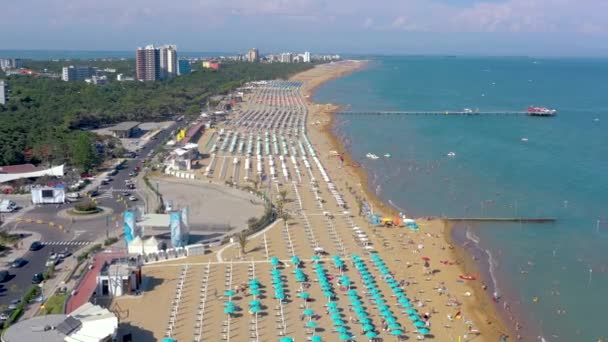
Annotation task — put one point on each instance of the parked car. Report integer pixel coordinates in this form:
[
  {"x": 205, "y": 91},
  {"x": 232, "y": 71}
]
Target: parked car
[
  {"x": 37, "y": 278},
  {"x": 36, "y": 245},
  {"x": 132, "y": 198},
  {"x": 14, "y": 303},
  {"x": 4, "y": 276},
  {"x": 18, "y": 263},
  {"x": 125, "y": 193},
  {"x": 4, "y": 315}
]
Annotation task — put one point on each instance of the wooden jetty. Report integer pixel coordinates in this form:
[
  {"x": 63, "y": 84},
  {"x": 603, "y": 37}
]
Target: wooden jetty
[
  {"x": 435, "y": 113},
  {"x": 502, "y": 219}
]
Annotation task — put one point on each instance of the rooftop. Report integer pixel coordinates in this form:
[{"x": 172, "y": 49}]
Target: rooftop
[
  {"x": 21, "y": 168},
  {"x": 124, "y": 126},
  {"x": 87, "y": 323}
]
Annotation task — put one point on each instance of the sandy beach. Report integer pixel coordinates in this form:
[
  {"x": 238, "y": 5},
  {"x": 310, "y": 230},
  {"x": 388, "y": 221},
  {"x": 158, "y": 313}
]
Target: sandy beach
[
  {"x": 194, "y": 298},
  {"x": 479, "y": 305}
]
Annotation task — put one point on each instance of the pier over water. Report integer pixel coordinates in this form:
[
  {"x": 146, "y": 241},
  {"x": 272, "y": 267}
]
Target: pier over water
[{"x": 438, "y": 113}]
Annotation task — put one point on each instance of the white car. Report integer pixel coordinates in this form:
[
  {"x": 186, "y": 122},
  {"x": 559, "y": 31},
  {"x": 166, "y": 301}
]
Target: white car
[{"x": 132, "y": 198}]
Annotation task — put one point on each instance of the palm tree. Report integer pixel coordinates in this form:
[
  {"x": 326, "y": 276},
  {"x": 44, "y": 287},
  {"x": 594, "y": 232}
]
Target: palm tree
[
  {"x": 242, "y": 240},
  {"x": 251, "y": 222},
  {"x": 283, "y": 195},
  {"x": 285, "y": 216}
]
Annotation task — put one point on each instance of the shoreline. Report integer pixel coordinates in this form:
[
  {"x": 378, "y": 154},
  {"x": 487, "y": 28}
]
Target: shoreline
[{"x": 490, "y": 320}]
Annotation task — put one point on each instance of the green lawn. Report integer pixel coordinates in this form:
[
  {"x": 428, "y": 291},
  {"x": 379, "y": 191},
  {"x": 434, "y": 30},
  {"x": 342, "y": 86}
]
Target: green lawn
[{"x": 54, "y": 305}]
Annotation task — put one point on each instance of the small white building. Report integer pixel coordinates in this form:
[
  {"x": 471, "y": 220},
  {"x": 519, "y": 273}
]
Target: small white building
[
  {"x": 120, "y": 277},
  {"x": 47, "y": 195},
  {"x": 181, "y": 158}
]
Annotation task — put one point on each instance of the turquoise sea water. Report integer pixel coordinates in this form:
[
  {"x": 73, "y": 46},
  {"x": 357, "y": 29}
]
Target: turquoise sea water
[{"x": 561, "y": 171}]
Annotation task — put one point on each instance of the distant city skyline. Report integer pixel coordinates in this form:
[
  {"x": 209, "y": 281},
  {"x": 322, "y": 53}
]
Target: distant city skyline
[{"x": 477, "y": 27}]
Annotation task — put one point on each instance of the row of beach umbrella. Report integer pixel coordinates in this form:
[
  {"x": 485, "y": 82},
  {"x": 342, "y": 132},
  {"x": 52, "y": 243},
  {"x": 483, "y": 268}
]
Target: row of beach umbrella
[
  {"x": 369, "y": 282},
  {"x": 402, "y": 299}
]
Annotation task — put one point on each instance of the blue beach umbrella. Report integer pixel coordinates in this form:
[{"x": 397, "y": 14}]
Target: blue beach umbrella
[
  {"x": 335, "y": 316},
  {"x": 255, "y": 292},
  {"x": 286, "y": 339},
  {"x": 397, "y": 332},
  {"x": 332, "y": 304},
  {"x": 393, "y": 326},
  {"x": 304, "y": 295},
  {"x": 368, "y": 327},
  {"x": 419, "y": 324},
  {"x": 254, "y": 302},
  {"x": 352, "y": 292},
  {"x": 411, "y": 311},
  {"x": 371, "y": 334},
  {"x": 345, "y": 336},
  {"x": 311, "y": 324},
  {"x": 391, "y": 319},
  {"x": 168, "y": 339},
  {"x": 424, "y": 331},
  {"x": 414, "y": 318},
  {"x": 229, "y": 310},
  {"x": 255, "y": 309},
  {"x": 308, "y": 312},
  {"x": 363, "y": 315},
  {"x": 315, "y": 258},
  {"x": 407, "y": 305},
  {"x": 338, "y": 322},
  {"x": 341, "y": 329},
  {"x": 316, "y": 338},
  {"x": 365, "y": 321},
  {"x": 229, "y": 293}
]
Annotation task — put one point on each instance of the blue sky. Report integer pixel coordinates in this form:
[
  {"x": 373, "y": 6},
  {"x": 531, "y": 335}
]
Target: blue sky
[{"x": 487, "y": 27}]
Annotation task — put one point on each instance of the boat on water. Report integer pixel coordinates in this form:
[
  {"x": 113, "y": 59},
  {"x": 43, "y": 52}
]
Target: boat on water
[
  {"x": 524, "y": 139},
  {"x": 371, "y": 156},
  {"x": 541, "y": 111},
  {"x": 387, "y": 155},
  {"x": 451, "y": 154}
]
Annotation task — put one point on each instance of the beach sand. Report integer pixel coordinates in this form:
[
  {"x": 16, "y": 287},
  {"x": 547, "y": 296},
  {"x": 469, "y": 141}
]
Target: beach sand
[
  {"x": 434, "y": 234},
  {"x": 315, "y": 220}
]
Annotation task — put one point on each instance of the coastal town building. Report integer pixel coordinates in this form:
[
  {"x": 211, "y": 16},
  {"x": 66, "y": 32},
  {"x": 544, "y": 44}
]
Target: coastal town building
[
  {"x": 168, "y": 61},
  {"x": 286, "y": 57},
  {"x": 183, "y": 67},
  {"x": 77, "y": 73},
  {"x": 97, "y": 80},
  {"x": 147, "y": 63},
  {"x": 253, "y": 55},
  {"x": 3, "y": 91},
  {"x": 87, "y": 323},
  {"x": 11, "y": 63},
  {"x": 124, "y": 129},
  {"x": 123, "y": 78},
  {"x": 306, "y": 57},
  {"x": 211, "y": 65},
  {"x": 118, "y": 278}
]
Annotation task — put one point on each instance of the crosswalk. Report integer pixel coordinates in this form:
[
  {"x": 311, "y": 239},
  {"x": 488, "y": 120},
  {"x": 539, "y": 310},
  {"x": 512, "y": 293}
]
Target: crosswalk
[
  {"x": 109, "y": 193},
  {"x": 66, "y": 243}
]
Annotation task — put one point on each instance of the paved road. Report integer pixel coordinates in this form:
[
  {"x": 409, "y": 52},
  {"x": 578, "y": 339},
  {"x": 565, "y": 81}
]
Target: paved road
[{"x": 75, "y": 234}]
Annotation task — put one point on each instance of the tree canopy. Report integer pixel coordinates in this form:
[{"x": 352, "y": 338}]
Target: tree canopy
[{"x": 39, "y": 121}]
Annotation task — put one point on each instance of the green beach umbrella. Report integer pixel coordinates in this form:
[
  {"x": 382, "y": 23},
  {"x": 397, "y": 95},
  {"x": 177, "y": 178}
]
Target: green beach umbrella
[
  {"x": 336, "y": 316},
  {"x": 362, "y": 315},
  {"x": 168, "y": 339},
  {"x": 254, "y": 302},
  {"x": 255, "y": 292},
  {"x": 407, "y": 305},
  {"x": 383, "y": 307},
  {"x": 316, "y": 338},
  {"x": 286, "y": 339},
  {"x": 332, "y": 304},
  {"x": 304, "y": 295},
  {"x": 352, "y": 292},
  {"x": 229, "y": 310},
  {"x": 411, "y": 311},
  {"x": 229, "y": 293},
  {"x": 391, "y": 319},
  {"x": 255, "y": 309},
  {"x": 414, "y": 318},
  {"x": 368, "y": 327},
  {"x": 419, "y": 324},
  {"x": 308, "y": 312},
  {"x": 315, "y": 258}
]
